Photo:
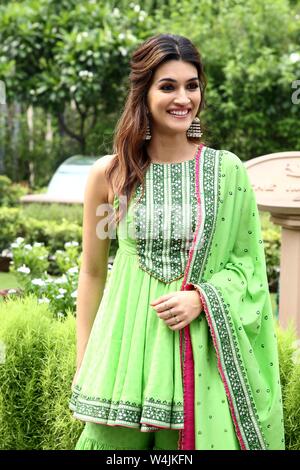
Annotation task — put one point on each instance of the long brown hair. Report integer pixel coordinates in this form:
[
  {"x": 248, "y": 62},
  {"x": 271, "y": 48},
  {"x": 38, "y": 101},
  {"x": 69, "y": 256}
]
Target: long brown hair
[{"x": 131, "y": 161}]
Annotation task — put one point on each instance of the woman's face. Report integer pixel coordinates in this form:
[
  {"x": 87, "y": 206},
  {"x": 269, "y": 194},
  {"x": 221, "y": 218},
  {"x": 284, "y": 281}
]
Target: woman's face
[{"x": 175, "y": 87}]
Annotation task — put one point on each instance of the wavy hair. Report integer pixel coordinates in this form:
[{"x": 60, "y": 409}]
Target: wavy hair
[{"x": 131, "y": 160}]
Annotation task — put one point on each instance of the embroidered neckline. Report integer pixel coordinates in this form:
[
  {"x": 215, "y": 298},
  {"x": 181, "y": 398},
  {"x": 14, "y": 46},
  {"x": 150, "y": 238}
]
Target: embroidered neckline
[{"x": 178, "y": 163}]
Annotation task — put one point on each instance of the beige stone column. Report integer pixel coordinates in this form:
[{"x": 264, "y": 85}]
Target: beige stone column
[
  {"x": 289, "y": 282},
  {"x": 276, "y": 181}
]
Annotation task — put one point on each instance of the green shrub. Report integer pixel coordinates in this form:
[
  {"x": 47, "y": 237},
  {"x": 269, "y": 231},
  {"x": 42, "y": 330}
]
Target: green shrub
[
  {"x": 11, "y": 226},
  {"x": 38, "y": 366},
  {"x": 30, "y": 264},
  {"x": 289, "y": 359},
  {"x": 36, "y": 372},
  {"x": 28, "y": 259},
  {"x": 272, "y": 244},
  {"x": 54, "y": 235},
  {"x": 14, "y": 223},
  {"x": 10, "y": 193},
  {"x": 55, "y": 212}
]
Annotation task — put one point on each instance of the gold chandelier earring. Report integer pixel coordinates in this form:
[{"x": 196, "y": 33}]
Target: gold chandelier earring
[
  {"x": 194, "y": 130},
  {"x": 148, "y": 133}
]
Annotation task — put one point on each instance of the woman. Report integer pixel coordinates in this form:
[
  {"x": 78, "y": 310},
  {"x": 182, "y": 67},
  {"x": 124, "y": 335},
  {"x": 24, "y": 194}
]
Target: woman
[{"x": 181, "y": 353}]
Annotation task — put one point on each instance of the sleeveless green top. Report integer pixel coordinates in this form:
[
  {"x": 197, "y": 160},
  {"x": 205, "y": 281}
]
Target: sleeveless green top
[{"x": 161, "y": 219}]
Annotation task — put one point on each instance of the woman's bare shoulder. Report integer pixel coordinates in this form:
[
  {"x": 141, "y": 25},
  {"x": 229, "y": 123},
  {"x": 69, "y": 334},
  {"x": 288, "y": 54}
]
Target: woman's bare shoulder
[
  {"x": 98, "y": 179},
  {"x": 103, "y": 162}
]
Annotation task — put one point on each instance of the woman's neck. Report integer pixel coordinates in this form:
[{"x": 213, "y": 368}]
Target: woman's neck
[{"x": 168, "y": 151}]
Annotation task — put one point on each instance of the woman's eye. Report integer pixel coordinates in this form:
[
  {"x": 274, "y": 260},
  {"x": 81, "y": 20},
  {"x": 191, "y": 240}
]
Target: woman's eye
[
  {"x": 192, "y": 85},
  {"x": 165, "y": 86}
]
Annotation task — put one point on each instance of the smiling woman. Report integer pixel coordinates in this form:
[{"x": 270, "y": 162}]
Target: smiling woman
[{"x": 180, "y": 351}]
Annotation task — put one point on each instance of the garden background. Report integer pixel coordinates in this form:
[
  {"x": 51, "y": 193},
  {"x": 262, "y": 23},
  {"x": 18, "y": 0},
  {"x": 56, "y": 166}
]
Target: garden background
[{"x": 65, "y": 67}]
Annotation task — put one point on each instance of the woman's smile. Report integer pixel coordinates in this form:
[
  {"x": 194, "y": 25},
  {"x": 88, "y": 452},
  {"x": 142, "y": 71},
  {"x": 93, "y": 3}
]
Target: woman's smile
[{"x": 179, "y": 114}]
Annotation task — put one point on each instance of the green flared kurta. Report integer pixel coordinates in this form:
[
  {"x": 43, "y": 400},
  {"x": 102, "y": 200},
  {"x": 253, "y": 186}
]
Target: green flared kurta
[
  {"x": 195, "y": 225},
  {"x": 131, "y": 373}
]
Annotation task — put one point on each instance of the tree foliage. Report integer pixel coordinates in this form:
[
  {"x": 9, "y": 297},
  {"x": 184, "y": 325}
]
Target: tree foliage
[
  {"x": 251, "y": 55},
  {"x": 71, "y": 59}
]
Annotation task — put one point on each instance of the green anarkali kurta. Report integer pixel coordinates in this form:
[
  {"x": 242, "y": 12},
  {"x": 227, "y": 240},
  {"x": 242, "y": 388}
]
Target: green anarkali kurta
[{"x": 196, "y": 225}]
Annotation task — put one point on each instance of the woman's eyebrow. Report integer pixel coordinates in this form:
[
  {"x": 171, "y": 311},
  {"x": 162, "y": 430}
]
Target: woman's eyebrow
[{"x": 175, "y": 81}]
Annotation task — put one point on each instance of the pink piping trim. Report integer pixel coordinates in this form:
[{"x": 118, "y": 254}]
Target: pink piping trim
[
  {"x": 197, "y": 175},
  {"x": 187, "y": 435}
]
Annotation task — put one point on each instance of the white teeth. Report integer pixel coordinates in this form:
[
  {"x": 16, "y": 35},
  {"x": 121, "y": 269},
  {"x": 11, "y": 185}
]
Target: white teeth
[{"x": 179, "y": 113}]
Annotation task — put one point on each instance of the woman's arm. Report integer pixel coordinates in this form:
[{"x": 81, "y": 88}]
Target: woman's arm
[{"x": 95, "y": 252}]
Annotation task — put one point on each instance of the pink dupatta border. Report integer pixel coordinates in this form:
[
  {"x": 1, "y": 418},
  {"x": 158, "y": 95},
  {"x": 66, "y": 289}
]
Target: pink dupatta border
[
  {"x": 213, "y": 334},
  {"x": 187, "y": 435}
]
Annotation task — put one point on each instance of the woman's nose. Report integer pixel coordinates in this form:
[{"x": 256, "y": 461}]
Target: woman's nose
[{"x": 182, "y": 98}]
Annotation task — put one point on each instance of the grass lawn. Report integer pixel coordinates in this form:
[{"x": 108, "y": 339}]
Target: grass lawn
[{"x": 8, "y": 281}]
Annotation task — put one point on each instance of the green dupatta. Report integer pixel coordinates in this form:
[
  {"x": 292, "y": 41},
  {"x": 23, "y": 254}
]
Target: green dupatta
[{"x": 229, "y": 354}]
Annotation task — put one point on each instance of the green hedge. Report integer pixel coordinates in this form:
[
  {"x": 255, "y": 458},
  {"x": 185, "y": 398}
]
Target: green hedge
[
  {"x": 14, "y": 222},
  {"x": 10, "y": 192},
  {"x": 37, "y": 373},
  {"x": 36, "y": 377},
  {"x": 289, "y": 359},
  {"x": 11, "y": 226}
]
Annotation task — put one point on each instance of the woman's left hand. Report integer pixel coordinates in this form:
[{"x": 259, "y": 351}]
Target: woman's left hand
[{"x": 178, "y": 309}]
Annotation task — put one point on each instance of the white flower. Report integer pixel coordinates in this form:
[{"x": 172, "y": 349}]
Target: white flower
[
  {"x": 74, "y": 294},
  {"x": 142, "y": 16},
  {"x": 38, "y": 244},
  {"x": 85, "y": 73},
  {"x": 60, "y": 296},
  {"x": 19, "y": 240},
  {"x": 14, "y": 245},
  {"x": 44, "y": 300},
  {"x": 11, "y": 291},
  {"x": 6, "y": 252},
  {"x": 23, "y": 269},
  {"x": 60, "y": 314},
  {"x": 294, "y": 57},
  {"x": 73, "y": 270},
  {"x": 130, "y": 36},
  {"x": 123, "y": 51},
  {"x": 62, "y": 291},
  {"x": 28, "y": 247},
  {"x": 116, "y": 12},
  {"x": 73, "y": 88},
  {"x": 79, "y": 36},
  {"x": 121, "y": 36},
  {"x": 61, "y": 280},
  {"x": 137, "y": 8},
  {"x": 38, "y": 282}
]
